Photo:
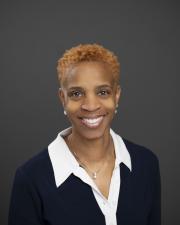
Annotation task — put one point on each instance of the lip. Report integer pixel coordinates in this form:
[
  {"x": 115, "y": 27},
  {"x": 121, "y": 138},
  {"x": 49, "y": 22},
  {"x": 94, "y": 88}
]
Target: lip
[
  {"x": 92, "y": 116},
  {"x": 93, "y": 121}
]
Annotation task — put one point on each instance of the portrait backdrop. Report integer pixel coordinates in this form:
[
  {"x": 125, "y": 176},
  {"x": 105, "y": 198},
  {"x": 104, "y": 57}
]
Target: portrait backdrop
[{"x": 143, "y": 34}]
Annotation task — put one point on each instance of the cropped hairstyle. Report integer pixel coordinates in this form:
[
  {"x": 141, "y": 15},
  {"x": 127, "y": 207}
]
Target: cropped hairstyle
[{"x": 87, "y": 53}]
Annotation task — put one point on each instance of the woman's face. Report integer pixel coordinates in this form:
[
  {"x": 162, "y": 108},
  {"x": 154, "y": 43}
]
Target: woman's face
[{"x": 89, "y": 96}]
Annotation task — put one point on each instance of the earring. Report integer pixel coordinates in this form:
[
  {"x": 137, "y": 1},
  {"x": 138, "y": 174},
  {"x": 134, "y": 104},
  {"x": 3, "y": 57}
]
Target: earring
[
  {"x": 116, "y": 109},
  {"x": 65, "y": 113}
]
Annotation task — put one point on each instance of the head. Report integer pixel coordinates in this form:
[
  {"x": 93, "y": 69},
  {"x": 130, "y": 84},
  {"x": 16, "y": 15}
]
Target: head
[{"x": 90, "y": 91}]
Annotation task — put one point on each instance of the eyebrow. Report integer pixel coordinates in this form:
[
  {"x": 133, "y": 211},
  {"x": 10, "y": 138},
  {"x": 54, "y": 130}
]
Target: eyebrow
[
  {"x": 75, "y": 87},
  {"x": 104, "y": 86}
]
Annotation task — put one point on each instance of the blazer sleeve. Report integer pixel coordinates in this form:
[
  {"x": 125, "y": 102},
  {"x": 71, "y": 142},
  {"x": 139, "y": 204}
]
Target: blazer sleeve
[
  {"x": 25, "y": 206},
  {"x": 155, "y": 213}
]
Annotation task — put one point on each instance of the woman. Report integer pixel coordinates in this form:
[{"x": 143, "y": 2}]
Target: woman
[{"x": 88, "y": 175}]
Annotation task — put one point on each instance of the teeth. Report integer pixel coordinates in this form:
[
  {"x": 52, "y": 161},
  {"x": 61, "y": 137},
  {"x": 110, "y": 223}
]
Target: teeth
[
  {"x": 95, "y": 120},
  {"x": 92, "y": 122}
]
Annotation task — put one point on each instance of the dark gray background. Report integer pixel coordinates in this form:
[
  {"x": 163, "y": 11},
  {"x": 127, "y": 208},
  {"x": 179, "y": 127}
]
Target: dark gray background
[{"x": 144, "y": 34}]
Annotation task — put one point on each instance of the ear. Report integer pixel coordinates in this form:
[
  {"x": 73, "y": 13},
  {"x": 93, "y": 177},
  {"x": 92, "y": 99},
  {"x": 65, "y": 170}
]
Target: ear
[
  {"x": 118, "y": 94},
  {"x": 61, "y": 96}
]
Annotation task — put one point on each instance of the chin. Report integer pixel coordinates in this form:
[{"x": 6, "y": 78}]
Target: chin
[{"x": 93, "y": 133}]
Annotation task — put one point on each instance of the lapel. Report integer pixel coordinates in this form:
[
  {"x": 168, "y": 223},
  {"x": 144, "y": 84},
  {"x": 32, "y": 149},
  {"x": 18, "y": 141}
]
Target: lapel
[
  {"x": 79, "y": 202},
  {"x": 78, "y": 199},
  {"x": 125, "y": 195},
  {"x": 133, "y": 201}
]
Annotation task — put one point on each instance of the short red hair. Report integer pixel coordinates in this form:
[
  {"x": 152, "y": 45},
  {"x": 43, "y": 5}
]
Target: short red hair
[{"x": 88, "y": 52}]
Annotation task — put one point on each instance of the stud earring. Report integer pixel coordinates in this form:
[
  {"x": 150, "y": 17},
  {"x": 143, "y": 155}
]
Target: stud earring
[
  {"x": 116, "y": 109},
  {"x": 65, "y": 113}
]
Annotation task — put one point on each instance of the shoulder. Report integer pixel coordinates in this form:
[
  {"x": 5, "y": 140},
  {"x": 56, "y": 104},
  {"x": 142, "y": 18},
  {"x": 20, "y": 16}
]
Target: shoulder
[
  {"x": 137, "y": 150},
  {"x": 36, "y": 169},
  {"x": 36, "y": 162},
  {"x": 141, "y": 157}
]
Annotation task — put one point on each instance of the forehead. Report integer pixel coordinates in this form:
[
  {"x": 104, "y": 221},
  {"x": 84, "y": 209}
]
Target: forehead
[{"x": 88, "y": 74}]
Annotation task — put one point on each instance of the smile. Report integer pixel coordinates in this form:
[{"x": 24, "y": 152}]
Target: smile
[{"x": 92, "y": 122}]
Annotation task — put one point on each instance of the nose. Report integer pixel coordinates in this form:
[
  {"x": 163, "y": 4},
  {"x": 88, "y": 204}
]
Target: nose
[{"x": 90, "y": 103}]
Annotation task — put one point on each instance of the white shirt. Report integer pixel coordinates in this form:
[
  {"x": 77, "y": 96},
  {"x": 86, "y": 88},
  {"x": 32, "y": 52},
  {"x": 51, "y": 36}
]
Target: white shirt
[{"x": 64, "y": 164}]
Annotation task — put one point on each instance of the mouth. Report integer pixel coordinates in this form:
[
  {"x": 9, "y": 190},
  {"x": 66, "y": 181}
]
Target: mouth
[{"x": 92, "y": 122}]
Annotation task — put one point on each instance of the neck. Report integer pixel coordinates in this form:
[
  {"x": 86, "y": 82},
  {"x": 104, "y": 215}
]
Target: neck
[{"x": 91, "y": 150}]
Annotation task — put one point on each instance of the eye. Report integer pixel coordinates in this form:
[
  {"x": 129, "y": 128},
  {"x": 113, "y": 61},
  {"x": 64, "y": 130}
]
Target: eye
[
  {"x": 103, "y": 92},
  {"x": 75, "y": 94}
]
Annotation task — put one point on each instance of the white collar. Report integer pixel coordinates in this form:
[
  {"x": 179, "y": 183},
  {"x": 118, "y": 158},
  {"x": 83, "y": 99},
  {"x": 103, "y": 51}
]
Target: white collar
[{"x": 64, "y": 163}]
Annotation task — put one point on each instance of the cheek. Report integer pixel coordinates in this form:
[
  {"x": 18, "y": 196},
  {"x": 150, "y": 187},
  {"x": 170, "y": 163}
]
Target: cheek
[
  {"x": 109, "y": 105},
  {"x": 72, "y": 107}
]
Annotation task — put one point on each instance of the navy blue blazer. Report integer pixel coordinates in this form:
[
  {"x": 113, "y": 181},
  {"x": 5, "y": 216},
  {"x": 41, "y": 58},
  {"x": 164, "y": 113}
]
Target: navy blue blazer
[{"x": 35, "y": 199}]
